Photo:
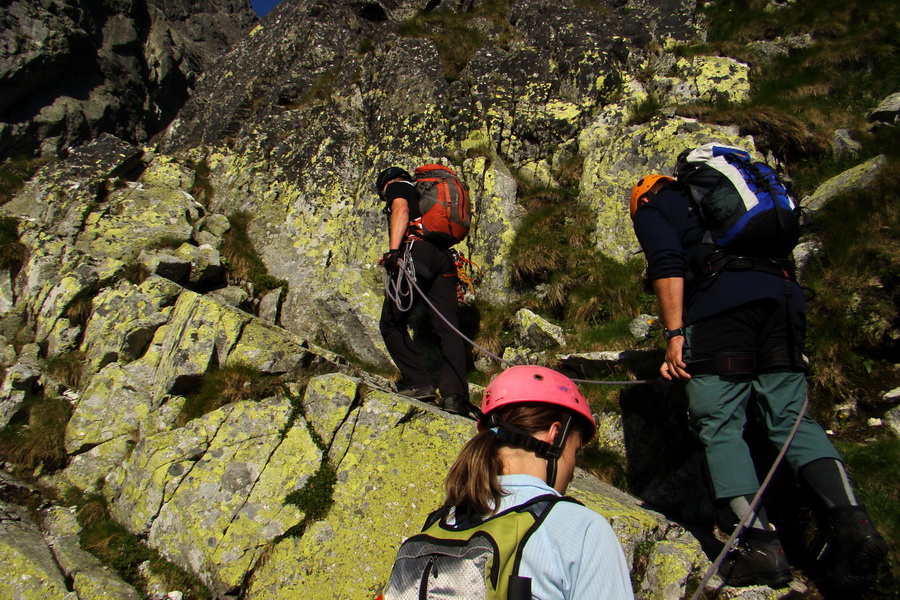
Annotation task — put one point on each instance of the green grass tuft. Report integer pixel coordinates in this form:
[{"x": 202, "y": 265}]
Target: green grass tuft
[
  {"x": 136, "y": 273},
  {"x": 856, "y": 281},
  {"x": 644, "y": 110},
  {"x": 12, "y": 252},
  {"x": 125, "y": 552},
  {"x": 451, "y": 31},
  {"x": 67, "y": 368},
  {"x": 227, "y": 385},
  {"x": 34, "y": 440},
  {"x": 202, "y": 190},
  {"x": 243, "y": 262},
  {"x": 15, "y": 172},
  {"x": 875, "y": 470}
]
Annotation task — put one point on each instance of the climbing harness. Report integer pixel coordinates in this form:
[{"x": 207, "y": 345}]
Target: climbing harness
[
  {"x": 751, "y": 512},
  {"x": 399, "y": 289}
]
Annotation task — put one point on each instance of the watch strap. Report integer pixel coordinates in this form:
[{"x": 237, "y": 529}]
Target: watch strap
[{"x": 668, "y": 334}]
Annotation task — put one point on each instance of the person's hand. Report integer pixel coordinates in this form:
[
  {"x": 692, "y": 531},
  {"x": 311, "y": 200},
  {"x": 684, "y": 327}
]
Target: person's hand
[
  {"x": 674, "y": 367},
  {"x": 390, "y": 260}
]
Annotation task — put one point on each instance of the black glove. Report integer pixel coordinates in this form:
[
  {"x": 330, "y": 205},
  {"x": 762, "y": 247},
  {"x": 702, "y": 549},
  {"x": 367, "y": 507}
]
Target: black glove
[{"x": 391, "y": 260}]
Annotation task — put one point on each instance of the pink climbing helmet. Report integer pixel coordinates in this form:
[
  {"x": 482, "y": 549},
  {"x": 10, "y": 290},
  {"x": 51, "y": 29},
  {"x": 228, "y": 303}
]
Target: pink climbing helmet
[{"x": 529, "y": 383}]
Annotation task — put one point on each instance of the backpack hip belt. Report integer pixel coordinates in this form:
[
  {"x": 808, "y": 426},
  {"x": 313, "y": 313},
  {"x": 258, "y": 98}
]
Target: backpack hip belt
[{"x": 724, "y": 261}]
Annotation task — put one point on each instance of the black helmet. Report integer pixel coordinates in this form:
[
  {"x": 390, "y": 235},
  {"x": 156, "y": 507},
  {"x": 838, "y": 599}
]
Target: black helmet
[{"x": 389, "y": 174}]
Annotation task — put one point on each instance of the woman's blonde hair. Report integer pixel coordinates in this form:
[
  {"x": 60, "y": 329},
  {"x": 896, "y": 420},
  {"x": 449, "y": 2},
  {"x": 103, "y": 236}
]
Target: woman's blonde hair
[{"x": 472, "y": 484}]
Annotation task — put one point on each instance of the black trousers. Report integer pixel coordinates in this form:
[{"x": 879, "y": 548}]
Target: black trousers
[{"x": 436, "y": 276}]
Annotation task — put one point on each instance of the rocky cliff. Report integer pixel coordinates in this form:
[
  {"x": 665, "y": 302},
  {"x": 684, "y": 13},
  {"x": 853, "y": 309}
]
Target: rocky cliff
[
  {"x": 71, "y": 70},
  {"x": 195, "y": 397}
]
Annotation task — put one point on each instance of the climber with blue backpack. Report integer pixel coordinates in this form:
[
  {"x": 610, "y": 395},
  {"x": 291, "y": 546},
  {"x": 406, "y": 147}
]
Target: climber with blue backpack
[
  {"x": 505, "y": 530},
  {"x": 427, "y": 214},
  {"x": 718, "y": 238}
]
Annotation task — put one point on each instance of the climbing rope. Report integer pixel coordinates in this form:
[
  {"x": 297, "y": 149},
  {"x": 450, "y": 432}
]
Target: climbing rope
[
  {"x": 399, "y": 290},
  {"x": 407, "y": 273},
  {"x": 397, "y": 287},
  {"x": 751, "y": 512}
]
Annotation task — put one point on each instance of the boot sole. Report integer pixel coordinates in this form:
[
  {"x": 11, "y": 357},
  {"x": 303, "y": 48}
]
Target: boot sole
[
  {"x": 776, "y": 580},
  {"x": 864, "y": 568}
]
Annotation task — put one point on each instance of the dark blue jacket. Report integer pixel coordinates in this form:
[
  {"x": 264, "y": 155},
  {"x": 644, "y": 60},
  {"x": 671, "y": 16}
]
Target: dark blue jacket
[{"x": 671, "y": 235}]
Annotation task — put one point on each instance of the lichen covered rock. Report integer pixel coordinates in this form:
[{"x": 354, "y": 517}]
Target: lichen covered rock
[
  {"x": 210, "y": 496},
  {"x": 31, "y": 573},
  {"x": 616, "y": 157},
  {"x": 388, "y": 479}
]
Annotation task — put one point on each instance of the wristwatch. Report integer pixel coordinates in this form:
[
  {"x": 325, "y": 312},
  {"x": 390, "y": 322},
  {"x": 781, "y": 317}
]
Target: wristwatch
[{"x": 668, "y": 334}]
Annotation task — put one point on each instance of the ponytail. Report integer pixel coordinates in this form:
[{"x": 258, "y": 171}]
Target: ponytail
[{"x": 473, "y": 483}]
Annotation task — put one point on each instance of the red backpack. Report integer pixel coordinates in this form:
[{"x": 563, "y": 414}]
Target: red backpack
[{"x": 444, "y": 206}]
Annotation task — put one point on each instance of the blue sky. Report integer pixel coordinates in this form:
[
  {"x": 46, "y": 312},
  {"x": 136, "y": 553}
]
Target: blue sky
[{"x": 262, "y": 7}]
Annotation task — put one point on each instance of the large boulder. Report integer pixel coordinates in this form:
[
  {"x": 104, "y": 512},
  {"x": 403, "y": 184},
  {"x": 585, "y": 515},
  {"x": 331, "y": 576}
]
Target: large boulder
[
  {"x": 856, "y": 178},
  {"x": 71, "y": 70}
]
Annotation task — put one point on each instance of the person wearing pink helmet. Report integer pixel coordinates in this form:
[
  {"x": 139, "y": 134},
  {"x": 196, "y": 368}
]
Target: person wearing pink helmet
[{"x": 533, "y": 421}]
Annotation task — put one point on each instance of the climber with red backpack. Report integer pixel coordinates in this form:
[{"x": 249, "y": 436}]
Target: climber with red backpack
[
  {"x": 718, "y": 240},
  {"x": 427, "y": 214},
  {"x": 505, "y": 530}
]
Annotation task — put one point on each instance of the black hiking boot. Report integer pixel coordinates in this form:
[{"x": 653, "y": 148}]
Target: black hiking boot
[
  {"x": 455, "y": 405},
  {"x": 853, "y": 552},
  {"x": 425, "y": 393},
  {"x": 758, "y": 559}
]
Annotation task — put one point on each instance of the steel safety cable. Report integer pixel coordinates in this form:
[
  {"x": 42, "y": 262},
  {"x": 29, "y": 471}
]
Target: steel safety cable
[
  {"x": 751, "y": 512},
  {"x": 412, "y": 281}
]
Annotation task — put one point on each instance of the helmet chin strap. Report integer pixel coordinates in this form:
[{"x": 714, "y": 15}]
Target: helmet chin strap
[
  {"x": 518, "y": 437},
  {"x": 558, "y": 442}
]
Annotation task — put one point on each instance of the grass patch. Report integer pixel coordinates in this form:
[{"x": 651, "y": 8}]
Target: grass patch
[
  {"x": 606, "y": 465},
  {"x": 243, "y": 262},
  {"x": 79, "y": 310},
  {"x": 452, "y": 32},
  {"x": 856, "y": 281},
  {"x": 136, "y": 273},
  {"x": 582, "y": 287},
  {"x": 67, "y": 368},
  {"x": 875, "y": 470},
  {"x": 15, "y": 172},
  {"x": 12, "y": 252},
  {"x": 202, "y": 189},
  {"x": 644, "y": 110},
  {"x": 34, "y": 440},
  {"x": 492, "y": 325},
  {"x": 125, "y": 552},
  {"x": 227, "y": 385},
  {"x": 799, "y": 99}
]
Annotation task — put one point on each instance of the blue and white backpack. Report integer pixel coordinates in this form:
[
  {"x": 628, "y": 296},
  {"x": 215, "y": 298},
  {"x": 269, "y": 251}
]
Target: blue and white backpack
[{"x": 743, "y": 205}]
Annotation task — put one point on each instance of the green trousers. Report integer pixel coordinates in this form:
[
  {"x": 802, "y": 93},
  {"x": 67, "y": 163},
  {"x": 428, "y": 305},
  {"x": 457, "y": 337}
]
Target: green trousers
[{"x": 718, "y": 412}]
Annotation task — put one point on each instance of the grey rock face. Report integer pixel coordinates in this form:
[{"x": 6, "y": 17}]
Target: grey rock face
[
  {"x": 842, "y": 144},
  {"x": 70, "y": 69}
]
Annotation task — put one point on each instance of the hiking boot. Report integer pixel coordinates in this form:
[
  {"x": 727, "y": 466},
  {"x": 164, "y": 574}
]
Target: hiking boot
[
  {"x": 455, "y": 405},
  {"x": 853, "y": 552},
  {"x": 758, "y": 559},
  {"x": 425, "y": 393}
]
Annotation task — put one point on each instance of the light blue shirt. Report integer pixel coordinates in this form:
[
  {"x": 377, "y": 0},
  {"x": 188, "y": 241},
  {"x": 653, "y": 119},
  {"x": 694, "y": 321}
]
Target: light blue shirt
[{"x": 574, "y": 554}]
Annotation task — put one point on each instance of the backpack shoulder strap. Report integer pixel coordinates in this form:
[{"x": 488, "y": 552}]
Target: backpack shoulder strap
[
  {"x": 539, "y": 507},
  {"x": 438, "y": 515}
]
